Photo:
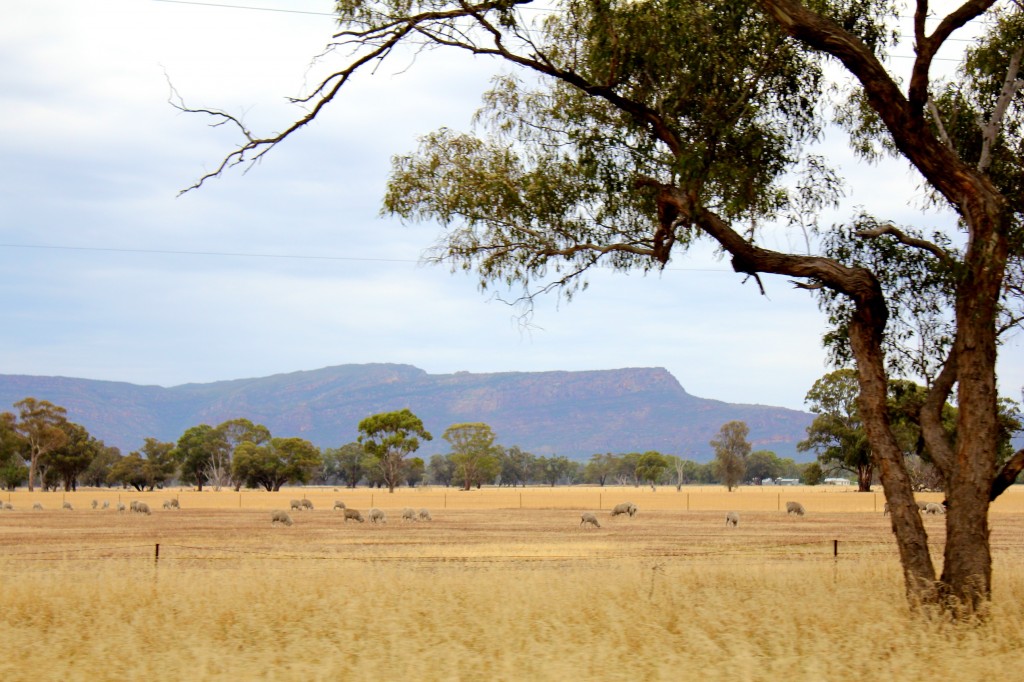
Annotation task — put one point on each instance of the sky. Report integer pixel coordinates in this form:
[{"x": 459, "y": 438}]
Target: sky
[{"x": 106, "y": 272}]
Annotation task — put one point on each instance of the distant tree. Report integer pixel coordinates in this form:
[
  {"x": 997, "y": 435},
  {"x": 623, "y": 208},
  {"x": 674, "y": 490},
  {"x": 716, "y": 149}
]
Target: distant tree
[
  {"x": 763, "y": 464},
  {"x": 233, "y": 433},
  {"x": 556, "y": 469},
  {"x": 129, "y": 471},
  {"x": 276, "y": 462},
  {"x": 474, "y": 453},
  {"x": 98, "y": 471},
  {"x": 731, "y": 450},
  {"x": 197, "y": 449},
  {"x": 145, "y": 469},
  {"x": 515, "y": 465},
  {"x": 13, "y": 472},
  {"x": 627, "y": 471},
  {"x": 600, "y": 468},
  {"x": 813, "y": 474},
  {"x": 414, "y": 471},
  {"x": 350, "y": 458},
  {"x": 686, "y": 470},
  {"x": 389, "y": 437},
  {"x": 39, "y": 423},
  {"x": 441, "y": 470},
  {"x": 837, "y": 434},
  {"x": 68, "y": 461},
  {"x": 651, "y": 466}
]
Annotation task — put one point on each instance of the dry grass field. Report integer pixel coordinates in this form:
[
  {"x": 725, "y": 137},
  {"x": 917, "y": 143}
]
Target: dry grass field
[{"x": 501, "y": 585}]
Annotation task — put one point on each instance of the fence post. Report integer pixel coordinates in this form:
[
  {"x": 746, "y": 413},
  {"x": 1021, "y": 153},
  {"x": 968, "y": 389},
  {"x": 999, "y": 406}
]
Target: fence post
[
  {"x": 835, "y": 549},
  {"x": 156, "y": 554}
]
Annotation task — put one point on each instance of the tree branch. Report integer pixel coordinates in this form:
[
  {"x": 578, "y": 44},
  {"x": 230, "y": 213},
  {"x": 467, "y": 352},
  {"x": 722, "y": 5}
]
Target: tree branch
[
  {"x": 990, "y": 130},
  {"x": 904, "y": 238}
]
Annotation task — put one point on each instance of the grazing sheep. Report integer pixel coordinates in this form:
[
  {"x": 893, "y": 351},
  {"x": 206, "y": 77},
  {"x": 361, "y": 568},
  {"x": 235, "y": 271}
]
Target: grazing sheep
[
  {"x": 732, "y": 519},
  {"x": 587, "y": 517},
  {"x": 280, "y": 516},
  {"x": 134, "y": 506},
  {"x": 106, "y": 504},
  {"x": 172, "y": 504},
  {"x": 795, "y": 508},
  {"x": 338, "y": 504},
  {"x": 95, "y": 503},
  {"x": 120, "y": 508},
  {"x": 425, "y": 515},
  {"x": 67, "y": 506},
  {"x": 295, "y": 505},
  {"x": 377, "y": 516},
  {"x": 142, "y": 508},
  {"x": 922, "y": 506},
  {"x": 408, "y": 514},
  {"x": 38, "y": 506},
  {"x": 8, "y": 506},
  {"x": 934, "y": 508},
  {"x": 353, "y": 514},
  {"x": 624, "y": 508},
  {"x": 307, "y": 504},
  {"x": 167, "y": 504}
]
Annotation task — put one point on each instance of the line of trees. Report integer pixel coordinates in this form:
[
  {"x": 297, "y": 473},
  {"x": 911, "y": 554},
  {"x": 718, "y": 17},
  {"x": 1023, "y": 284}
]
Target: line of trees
[{"x": 38, "y": 445}]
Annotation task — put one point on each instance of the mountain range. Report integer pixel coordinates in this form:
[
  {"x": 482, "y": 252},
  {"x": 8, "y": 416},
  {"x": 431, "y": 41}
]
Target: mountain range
[{"x": 576, "y": 414}]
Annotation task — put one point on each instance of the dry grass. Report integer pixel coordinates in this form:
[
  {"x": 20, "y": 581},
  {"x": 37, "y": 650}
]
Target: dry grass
[{"x": 490, "y": 590}]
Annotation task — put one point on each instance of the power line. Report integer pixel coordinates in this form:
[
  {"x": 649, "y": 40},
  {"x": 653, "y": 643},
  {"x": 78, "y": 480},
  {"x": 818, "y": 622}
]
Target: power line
[
  {"x": 248, "y": 7},
  {"x": 205, "y": 253}
]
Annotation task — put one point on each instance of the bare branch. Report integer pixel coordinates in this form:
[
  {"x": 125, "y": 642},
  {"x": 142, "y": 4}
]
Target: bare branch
[
  {"x": 904, "y": 238},
  {"x": 990, "y": 131}
]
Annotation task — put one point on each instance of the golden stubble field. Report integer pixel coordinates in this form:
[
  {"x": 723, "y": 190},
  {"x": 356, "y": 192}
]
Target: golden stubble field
[{"x": 501, "y": 585}]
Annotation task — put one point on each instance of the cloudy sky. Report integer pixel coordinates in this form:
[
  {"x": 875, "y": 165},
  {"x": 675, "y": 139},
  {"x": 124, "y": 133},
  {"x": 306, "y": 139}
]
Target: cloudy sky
[{"x": 106, "y": 273}]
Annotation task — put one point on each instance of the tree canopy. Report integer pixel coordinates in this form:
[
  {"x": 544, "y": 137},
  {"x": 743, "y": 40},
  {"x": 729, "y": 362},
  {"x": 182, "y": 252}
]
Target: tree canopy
[
  {"x": 657, "y": 124},
  {"x": 388, "y": 437}
]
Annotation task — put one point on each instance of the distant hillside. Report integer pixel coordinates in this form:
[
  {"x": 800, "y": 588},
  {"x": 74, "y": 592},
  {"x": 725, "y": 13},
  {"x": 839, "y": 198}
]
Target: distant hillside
[{"x": 568, "y": 413}]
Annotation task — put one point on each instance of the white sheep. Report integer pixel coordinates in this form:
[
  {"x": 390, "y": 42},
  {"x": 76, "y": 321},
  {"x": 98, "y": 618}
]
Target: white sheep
[
  {"x": 934, "y": 508},
  {"x": 295, "y": 505},
  {"x": 732, "y": 519},
  {"x": 95, "y": 503},
  {"x": 425, "y": 515},
  {"x": 353, "y": 514},
  {"x": 120, "y": 508},
  {"x": 142, "y": 508},
  {"x": 408, "y": 514},
  {"x": 306, "y": 504},
  {"x": 106, "y": 504},
  {"x": 377, "y": 516},
  {"x": 338, "y": 504},
  {"x": 587, "y": 517},
  {"x": 173, "y": 503},
  {"x": 280, "y": 516},
  {"x": 67, "y": 507},
  {"x": 8, "y": 506},
  {"x": 795, "y": 508},
  {"x": 38, "y": 506},
  {"x": 922, "y": 505},
  {"x": 167, "y": 504},
  {"x": 624, "y": 508},
  {"x": 134, "y": 506}
]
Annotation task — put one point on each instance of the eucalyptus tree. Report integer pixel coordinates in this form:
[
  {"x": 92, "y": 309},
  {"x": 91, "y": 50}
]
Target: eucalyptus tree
[
  {"x": 388, "y": 438},
  {"x": 731, "y": 450},
  {"x": 837, "y": 434},
  {"x": 40, "y": 423},
  {"x": 275, "y": 462},
  {"x": 652, "y": 125},
  {"x": 474, "y": 453}
]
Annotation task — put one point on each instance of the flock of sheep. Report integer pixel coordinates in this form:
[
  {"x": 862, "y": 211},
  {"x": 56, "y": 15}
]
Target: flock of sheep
[
  {"x": 375, "y": 515},
  {"x": 732, "y": 519}
]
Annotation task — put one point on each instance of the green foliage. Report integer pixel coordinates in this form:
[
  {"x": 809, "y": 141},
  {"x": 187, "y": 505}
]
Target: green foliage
[
  {"x": 72, "y": 458},
  {"x": 837, "y": 434},
  {"x": 731, "y": 451},
  {"x": 12, "y": 447},
  {"x": 98, "y": 472},
  {"x": 40, "y": 424},
  {"x": 388, "y": 437},
  {"x": 414, "y": 471},
  {"x": 556, "y": 469},
  {"x": 198, "y": 448},
  {"x": 474, "y": 454},
  {"x": 763, "y": 464},
  {"x": 441, "y": 470},
  {"x": 567, "y": 173},
  {"x": 276, "y": 462},
  {"x": 600, "y": 468},
  {"x": 651, "y": 467},
  {"x": 345, "y": 463},
  {"x": 813, "y": 474},
  {"x": 147, "y": 469},
  {"x": 516, "y": 465}
]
